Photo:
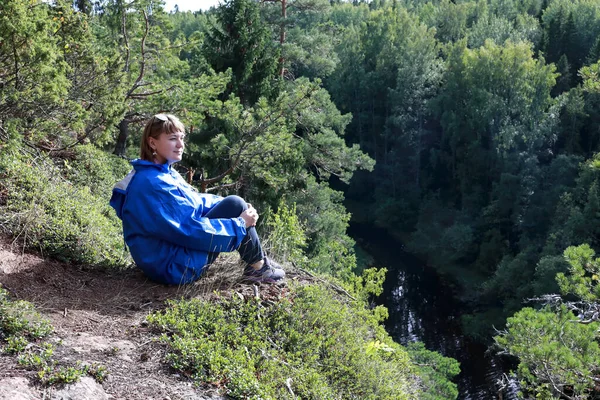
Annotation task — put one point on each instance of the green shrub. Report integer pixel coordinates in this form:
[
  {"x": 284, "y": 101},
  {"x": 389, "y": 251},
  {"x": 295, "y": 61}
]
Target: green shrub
[
  {"x": 308, "y": 342},
  {"x": 21, "y": 328},
  {"x": 324, "y": 220},
  {"x": 94, "y": 168},
  {"x": 435, "y": 371},
  {"x": 20, "y": 321},
  {"x": 70, "y": 221},
  {"x": 286, "y": 238},
  {"x": 37, "y": 358}
]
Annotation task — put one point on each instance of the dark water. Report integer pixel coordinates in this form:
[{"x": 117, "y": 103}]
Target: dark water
[{"x": 422, "y": 309}]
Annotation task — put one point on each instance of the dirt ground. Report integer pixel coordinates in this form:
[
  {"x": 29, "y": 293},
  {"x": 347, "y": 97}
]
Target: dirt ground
[{"x": 99, "y": 317}]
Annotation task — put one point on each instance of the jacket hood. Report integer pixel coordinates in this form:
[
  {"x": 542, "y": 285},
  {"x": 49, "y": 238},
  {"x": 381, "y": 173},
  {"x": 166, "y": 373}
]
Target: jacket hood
[{"x": 119, "y": 192}]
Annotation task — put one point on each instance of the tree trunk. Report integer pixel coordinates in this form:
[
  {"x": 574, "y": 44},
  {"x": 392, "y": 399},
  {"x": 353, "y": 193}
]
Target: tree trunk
[
  {"x": 121, "y": 145},
  {"x": 282, "y": 36}
]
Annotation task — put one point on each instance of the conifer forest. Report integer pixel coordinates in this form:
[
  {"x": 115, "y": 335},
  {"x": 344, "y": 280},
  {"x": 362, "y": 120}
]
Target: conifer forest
[{"x": 468, "y": 130}]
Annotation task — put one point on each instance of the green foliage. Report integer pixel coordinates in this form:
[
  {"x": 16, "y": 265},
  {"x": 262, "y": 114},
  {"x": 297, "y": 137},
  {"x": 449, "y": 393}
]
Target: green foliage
[
  {"x": 21, "y": 330},
  {"x": 272, "y": 148},
  {"x": 286, "y": 237},
  {"x": 135, "y": 36},
  {"x": 52, "y": 376},
  {"x": 64, "y": 220},
  {"x": 514, "y": 91},
  {"x": 584, "y": 274},
  {"x": 50, "y": 373},
  {"x": 37, "y": 358},
  {"x": 591, "y": 77},
  {"x": 545, "y": 274},
  {"x": 51, "y": 61},
  {"x": 556, "y": 353},
  {"x": 478, "y": 141},
  {"x": 15, "y": 344},
  {"x": 558, "y": 346},
  {"x": 239, "y": 40},
  {"x": 325, "y": 221},
  {"x": 86, "y": 166},
  {"x": 498, "y": 28},
  {"x": 576, "y": 218},
  {"x": 442, "y": 234},
  {"x": 321, "y": 347},
  {"x": 370, "y": 284},
  {"x": 20, "y": 323},
  {"x": 450, "y": 19},
  {"x": 571, "y": 29},
  {"x": 34, "y": 73},
  {"x": 436, "y": 372},
  {"x": 310, "y": 52}
]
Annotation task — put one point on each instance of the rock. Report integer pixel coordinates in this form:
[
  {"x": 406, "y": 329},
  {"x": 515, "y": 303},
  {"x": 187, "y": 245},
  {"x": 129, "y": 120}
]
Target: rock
[
  {"x": 86, "y": 389},
  {"x": 9, "y": 261},
  {"x": 85, "y": 343},
  {"x": 16, "y": 389}
]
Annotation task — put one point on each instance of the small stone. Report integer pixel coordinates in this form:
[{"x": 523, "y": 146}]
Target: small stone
[{"x": 87, "y": 388}]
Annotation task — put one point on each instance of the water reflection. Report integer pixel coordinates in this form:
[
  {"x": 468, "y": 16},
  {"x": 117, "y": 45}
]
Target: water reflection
[{"x": 422, "y": 309}]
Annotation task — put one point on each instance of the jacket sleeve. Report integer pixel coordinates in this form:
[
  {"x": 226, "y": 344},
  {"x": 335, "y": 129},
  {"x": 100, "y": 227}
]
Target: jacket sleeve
[
  {"x": 207, "y": 200},
  {"x": 170, "y": 216}
]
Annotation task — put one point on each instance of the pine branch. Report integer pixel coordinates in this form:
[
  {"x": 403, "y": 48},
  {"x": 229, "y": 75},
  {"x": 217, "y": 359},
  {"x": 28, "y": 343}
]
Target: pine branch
[{"x": 138, "y": 81}]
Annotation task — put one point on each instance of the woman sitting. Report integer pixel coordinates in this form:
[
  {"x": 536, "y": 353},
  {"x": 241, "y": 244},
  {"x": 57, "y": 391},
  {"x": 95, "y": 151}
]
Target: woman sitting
[{"x": 173, "y": 232}]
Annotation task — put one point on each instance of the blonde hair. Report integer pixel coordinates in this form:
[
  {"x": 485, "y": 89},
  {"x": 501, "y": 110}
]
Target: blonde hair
[{"x": 156, "y": 126}]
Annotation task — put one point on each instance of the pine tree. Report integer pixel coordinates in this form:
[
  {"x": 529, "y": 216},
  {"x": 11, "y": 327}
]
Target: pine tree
[
  {"x": 563, "y": 82},
  {"x": 241, "y": 41},
  {"x": 553, "y": 38}
]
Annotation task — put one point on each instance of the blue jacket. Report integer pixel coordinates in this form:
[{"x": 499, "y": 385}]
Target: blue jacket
[{"x": 164, "y": 225}]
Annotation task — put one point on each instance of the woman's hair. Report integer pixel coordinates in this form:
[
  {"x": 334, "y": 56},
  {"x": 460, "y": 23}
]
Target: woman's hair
[{"x": 157, "y": 125}]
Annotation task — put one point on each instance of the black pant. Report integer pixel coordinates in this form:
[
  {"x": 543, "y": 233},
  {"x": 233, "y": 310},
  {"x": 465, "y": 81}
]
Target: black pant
[{"x": 231, "y": 207}]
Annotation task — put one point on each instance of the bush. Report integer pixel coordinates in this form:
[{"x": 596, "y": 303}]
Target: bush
[
  {"x": 96, "y": 169},
  {"x": 435, "y": 371},
  {"x": 19, "y": 323},
  {"x": 309, "y": 343},
  {"x": 325, "y": 220},
  {"x": 286, "y": 237},
  {"x": 70, "y": 221},
  {"x": 20, "y": 327}
]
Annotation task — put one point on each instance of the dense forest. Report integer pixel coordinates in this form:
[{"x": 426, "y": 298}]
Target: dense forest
[{"x": 468, "y": 129}]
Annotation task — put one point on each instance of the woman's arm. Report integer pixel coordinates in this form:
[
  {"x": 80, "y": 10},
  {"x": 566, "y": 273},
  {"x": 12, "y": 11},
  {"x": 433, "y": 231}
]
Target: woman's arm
[
  {"x": 159, "y": 209},
  {"x": 207, "y": 200}
]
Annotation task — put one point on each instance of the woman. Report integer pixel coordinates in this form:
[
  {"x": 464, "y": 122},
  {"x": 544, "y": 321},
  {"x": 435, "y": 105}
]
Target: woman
[{"x": 172, "y": 231}]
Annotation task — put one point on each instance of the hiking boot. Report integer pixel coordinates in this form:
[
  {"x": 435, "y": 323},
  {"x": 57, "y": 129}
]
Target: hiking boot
[{"x": 271, "y": 272}]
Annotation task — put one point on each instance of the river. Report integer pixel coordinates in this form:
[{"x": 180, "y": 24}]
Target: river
[{"x": 422, "y": 309}]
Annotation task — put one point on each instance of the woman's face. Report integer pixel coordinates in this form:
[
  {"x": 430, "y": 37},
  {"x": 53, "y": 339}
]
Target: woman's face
[{"x": 168, "y": 147}]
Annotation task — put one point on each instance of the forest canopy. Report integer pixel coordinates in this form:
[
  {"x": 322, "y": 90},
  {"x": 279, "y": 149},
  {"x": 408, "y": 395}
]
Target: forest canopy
[{"x": 470, "y": 129}]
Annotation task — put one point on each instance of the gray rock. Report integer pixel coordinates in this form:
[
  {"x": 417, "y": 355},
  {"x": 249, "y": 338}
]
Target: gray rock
[
  {"x": 86, "y": 343},
  {"x": 16, "y": 389},
  {"x": 86, "y": 389}
]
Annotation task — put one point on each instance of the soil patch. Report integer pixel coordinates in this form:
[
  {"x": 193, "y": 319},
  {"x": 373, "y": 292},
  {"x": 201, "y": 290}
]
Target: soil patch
[{"x": 99, "y": 317}]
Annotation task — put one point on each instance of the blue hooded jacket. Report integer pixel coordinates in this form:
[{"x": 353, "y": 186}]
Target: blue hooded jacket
[{"x": 164, "y": 225}]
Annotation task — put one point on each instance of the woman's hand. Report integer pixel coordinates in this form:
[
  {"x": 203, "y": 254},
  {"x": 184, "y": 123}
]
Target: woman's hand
[{"x": 250, "y": 216}]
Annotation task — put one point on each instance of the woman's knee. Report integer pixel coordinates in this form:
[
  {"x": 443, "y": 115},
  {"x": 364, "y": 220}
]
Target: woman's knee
[{"x": 236, "y": 202}]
